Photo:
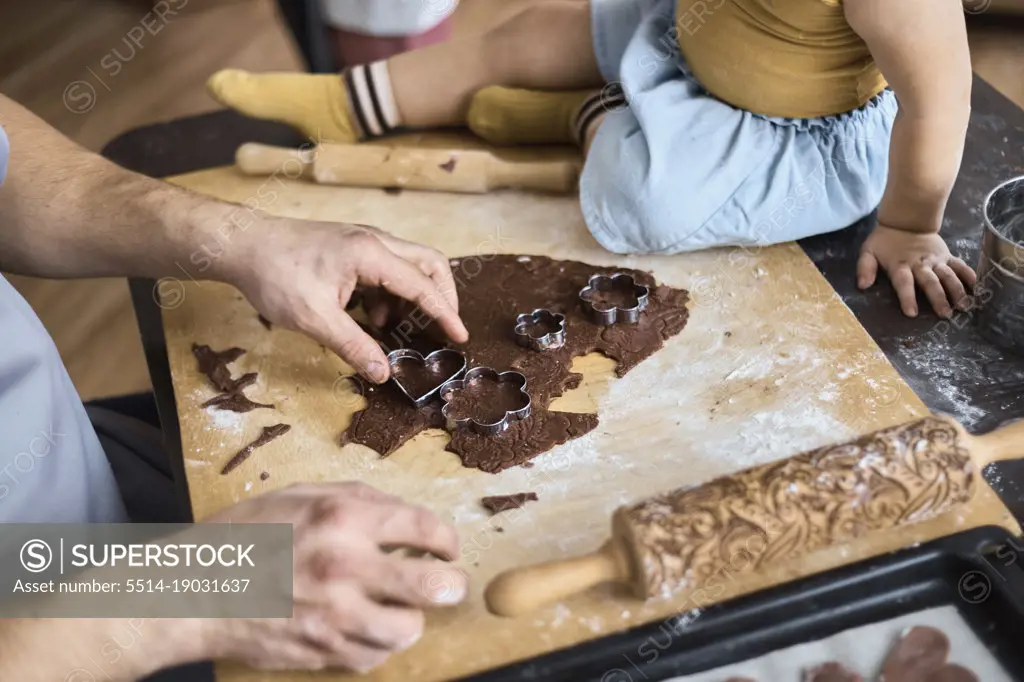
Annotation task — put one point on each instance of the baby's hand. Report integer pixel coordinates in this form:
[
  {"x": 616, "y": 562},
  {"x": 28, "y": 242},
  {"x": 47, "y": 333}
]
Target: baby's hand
[{"x": 910, "y": 257}]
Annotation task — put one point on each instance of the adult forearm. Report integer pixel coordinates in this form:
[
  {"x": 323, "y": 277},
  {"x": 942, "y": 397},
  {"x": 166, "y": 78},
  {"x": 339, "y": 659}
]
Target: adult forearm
[
  {"x": 924, "y": 159},
  {"x": 116, "y": 650},
  {"x": 67, "y": 212}
]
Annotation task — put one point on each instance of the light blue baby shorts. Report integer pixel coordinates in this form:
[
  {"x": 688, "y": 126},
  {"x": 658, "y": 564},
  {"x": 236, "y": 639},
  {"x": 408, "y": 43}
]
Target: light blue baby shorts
[{"x": 678, "y": 170}]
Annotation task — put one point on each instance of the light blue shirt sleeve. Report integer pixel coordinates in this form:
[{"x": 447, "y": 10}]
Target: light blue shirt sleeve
[
  {"x": 52, "y": 466},
  {"x": 5, "y": 152}
]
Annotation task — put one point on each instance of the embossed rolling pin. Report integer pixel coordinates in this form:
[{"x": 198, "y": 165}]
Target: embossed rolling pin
[
  {"x": 360, "y": 165},
  {"x": 772, "y": 513}
]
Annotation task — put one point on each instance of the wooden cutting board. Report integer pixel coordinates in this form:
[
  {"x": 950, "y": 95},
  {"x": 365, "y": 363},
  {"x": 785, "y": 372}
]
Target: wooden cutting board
[{"x": 772, "y": 363}]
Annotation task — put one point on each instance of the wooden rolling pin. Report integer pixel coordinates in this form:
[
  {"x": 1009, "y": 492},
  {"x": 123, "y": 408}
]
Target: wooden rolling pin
[
  {"x": 772, "y": 513},
  {"x": 362, "y": 165}
]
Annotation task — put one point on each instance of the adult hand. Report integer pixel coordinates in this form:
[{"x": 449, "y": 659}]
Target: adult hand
[
  {"x": 354, "y": 603},
  {"x": 301, "y": 274},
  {"x": 916, "y": 258}
]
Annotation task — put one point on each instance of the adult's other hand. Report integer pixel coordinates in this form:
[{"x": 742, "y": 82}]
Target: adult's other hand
[{"x": 355, "y": 602}]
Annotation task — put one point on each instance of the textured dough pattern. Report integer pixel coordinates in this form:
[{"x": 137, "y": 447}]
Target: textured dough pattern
[{"x": 902, "y": 475}]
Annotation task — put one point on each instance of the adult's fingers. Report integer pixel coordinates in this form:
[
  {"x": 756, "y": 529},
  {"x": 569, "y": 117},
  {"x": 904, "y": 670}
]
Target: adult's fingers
[
  {"x": 393, "y": 628},
  {"x": 933, "y": 290},
  {"x": 346, "y": 338},
  {"x": 401, "y": 278},
  {"x": 903, "y": 282},
  {"x": 405, "y": 525},
  {"x": 360, "y": 657},
  {"x": 430, "y": 261},
  {"x": 964, "y": 271},
  {"x": 387, "y": 525},
  {"x": 416, "y": 582},
  {"x": 332, "y": 494},
  {"x": 332, "y": 563},
  {"x": 953, "y": 286},
  {"x": 867, "y": 269}
]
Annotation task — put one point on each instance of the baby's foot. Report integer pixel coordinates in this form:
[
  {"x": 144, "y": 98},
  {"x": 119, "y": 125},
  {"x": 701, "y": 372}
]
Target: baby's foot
[
  {"x": 508, "y": 116},
  {"x": 315, "y": 104}
]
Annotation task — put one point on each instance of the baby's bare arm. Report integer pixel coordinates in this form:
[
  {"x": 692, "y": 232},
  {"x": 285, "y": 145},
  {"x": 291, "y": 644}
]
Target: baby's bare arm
[{"x": 921, "y": 48}]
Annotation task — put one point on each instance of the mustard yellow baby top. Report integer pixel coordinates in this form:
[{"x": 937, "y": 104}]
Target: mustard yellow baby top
[{"x": 791, "y": 58}]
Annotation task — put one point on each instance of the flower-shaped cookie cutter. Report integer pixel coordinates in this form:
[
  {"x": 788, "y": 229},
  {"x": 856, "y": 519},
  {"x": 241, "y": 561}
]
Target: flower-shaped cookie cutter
[
  {"x": 602, "y": 312},
  {"x": 439, "y": 367},
  {"x": 542, "y": 319},
  {"x": 486, "y": 428}
]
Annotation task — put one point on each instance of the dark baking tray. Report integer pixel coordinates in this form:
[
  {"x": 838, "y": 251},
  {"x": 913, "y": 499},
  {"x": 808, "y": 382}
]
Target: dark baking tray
[{"x": 980, "y": 571}]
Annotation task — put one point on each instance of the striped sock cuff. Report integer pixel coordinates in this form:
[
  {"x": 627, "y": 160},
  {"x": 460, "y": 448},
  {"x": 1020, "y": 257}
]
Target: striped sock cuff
[
  {"x": 372, "y": 101},
  {"x": 611, "y": 98}
]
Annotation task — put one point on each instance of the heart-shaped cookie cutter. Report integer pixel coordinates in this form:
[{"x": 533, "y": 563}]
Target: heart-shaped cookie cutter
[
  {"x": 614, "y": 314},
  {"x": 486, "y": 429},
  {"x": 396, "y": 356},
  {"x": 550, "y": 341}
]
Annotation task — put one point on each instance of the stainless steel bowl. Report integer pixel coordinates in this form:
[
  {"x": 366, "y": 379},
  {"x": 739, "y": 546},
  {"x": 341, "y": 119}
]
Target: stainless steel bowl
[{"x": 1000, "y": 290}]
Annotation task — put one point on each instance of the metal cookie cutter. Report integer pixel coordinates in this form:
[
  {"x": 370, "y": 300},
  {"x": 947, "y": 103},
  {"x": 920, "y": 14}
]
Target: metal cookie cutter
[
  {"x": 999, "y": 293},
  {"x": 439, "y": 367},
  {"x": 603, "y": 313},
  {"x": 527, "y": 323},
  {"x": 484, "y": 428}
]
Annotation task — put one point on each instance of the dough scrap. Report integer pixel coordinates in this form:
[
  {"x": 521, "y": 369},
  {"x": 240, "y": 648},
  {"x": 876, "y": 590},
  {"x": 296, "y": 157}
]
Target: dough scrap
[
  {"x": 499, "y": 503},
  {"x": 268, "y": 434}
]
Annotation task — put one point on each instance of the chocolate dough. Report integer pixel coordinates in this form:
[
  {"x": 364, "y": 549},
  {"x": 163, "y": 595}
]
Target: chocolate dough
[
  {"x": 269, "y": 433},
  {"x": 420, "y": 378},
  {"x": 499, "y": 503},
  {"x": 485, "y": 400},
  {"x": 538, "y": 328},
  {"x": 920, "y": 655},
  {"x": 916, "y": 656},
  {"x": 448, "y": 166},
  {"x": 214, "y": 364},
  {"x": 493, "y": 290},
  {"x": 235, "y": 402},
  {"x": 831, "y": 672},
  {"x": 617, "y": 294}
]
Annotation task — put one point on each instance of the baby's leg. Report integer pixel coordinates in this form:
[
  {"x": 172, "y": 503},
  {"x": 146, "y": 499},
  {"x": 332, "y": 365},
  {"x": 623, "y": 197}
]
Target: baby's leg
[
  {"x": 546, "y": 46},
  {"x": 504, "y": 115}
]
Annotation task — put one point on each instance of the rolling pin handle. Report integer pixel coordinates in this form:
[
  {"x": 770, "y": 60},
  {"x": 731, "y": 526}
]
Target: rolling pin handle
[
  {"x": 1001, "y": 444},
  {"x": 261, "y": 159},
  {"x": 522, "y": 590},
  {"x": 553, "y": 177}
]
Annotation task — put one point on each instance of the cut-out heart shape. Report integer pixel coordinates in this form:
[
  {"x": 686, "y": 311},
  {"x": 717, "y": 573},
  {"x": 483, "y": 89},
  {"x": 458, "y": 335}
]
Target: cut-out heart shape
[
  {"x": 614, "y": 299},
  {"x": 419, "y": 378},
  {"x": 484, "y": 401}
]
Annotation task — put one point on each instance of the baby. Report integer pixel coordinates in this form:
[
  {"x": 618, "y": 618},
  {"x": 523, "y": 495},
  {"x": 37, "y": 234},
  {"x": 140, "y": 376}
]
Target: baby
[{"x": 704, "y": 122}]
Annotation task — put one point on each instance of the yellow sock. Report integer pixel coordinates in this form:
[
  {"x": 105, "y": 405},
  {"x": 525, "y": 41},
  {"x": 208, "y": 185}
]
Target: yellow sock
[
  {"x": 509, "y": 116},
  {"x": 315, "y": 104}
]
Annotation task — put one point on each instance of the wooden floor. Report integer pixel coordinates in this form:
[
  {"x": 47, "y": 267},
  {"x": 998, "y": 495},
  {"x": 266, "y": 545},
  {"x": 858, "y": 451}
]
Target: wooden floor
[{"x": 47, "y": 45}]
